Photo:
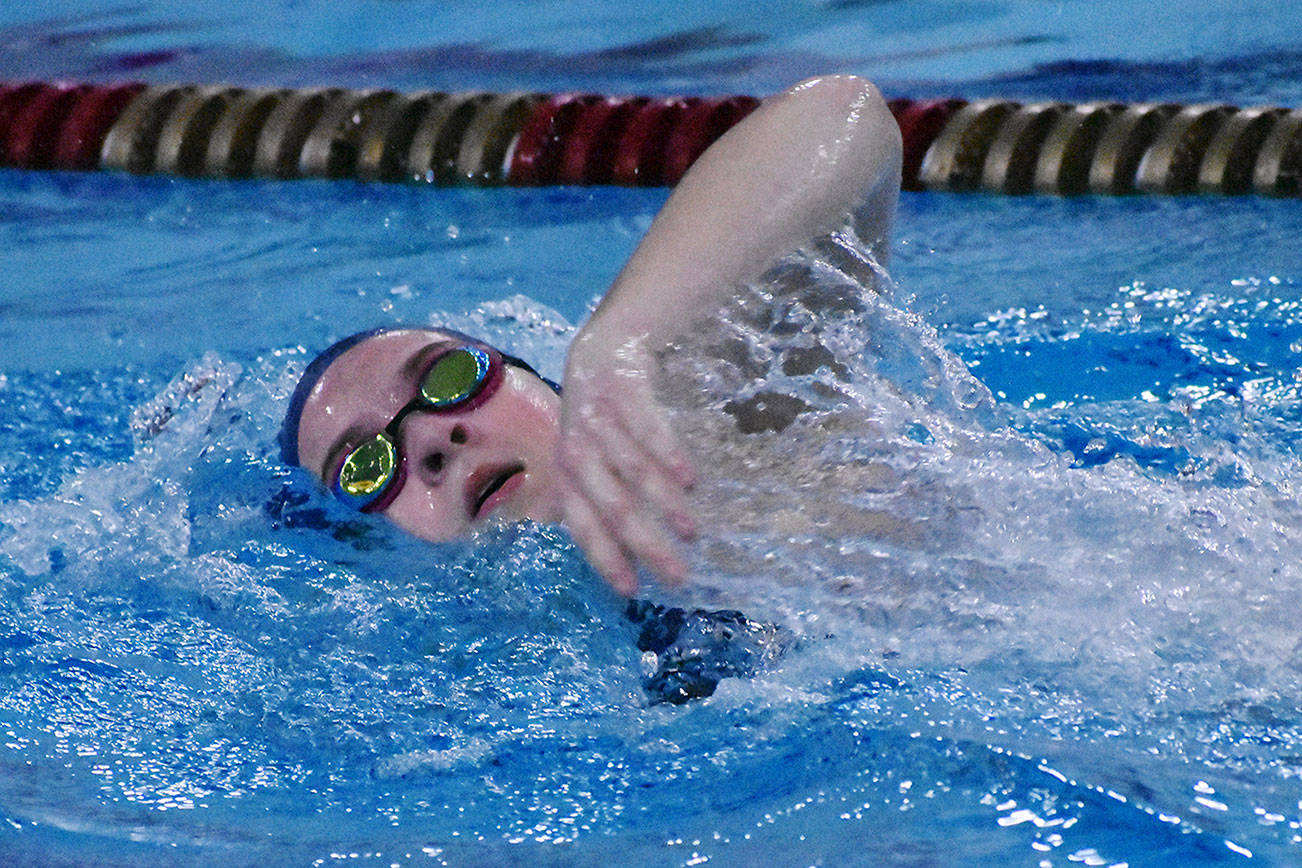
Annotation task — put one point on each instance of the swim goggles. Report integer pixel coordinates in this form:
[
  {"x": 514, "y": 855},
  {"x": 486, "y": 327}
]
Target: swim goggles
[{"x": 458, "y": 379}]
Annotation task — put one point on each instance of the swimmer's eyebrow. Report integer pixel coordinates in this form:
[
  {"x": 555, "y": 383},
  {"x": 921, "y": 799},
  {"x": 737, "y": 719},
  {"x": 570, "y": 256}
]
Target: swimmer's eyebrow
[
  {"x": 351, "y": 437},
  {"x": 410, "y": 369},
  {"x": 415, "y": 366}
]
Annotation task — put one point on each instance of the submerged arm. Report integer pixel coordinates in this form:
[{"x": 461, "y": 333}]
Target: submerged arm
[{"x": 803, "y": 164}]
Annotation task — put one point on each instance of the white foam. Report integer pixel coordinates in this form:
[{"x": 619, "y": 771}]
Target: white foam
[
  {"x": 137, "y": 506},
  {"x": 910, "y": 518}
]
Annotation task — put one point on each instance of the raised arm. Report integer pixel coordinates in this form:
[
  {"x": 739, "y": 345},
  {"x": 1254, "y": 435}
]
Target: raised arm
[
  {"x": 806, "y": 162},
  {"x": 797, "y": 167}
]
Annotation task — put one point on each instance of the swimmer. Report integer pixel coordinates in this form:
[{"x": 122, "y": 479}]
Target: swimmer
[{"x": 442, "y": 433}]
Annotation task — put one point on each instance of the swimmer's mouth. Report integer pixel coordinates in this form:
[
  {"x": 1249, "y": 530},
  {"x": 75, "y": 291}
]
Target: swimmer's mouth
[{"x": 485, "y": 483}]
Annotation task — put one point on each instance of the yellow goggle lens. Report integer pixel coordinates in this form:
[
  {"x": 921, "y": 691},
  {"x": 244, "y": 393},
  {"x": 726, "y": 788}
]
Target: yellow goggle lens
[
  {"x": 368, "y": 468},
  {"x": 454, "y": 377}
]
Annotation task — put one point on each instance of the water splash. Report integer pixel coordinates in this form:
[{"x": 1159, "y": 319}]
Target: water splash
[
  {"x": 1029, "y": 648},
  {"x": 144, "y": 498}
]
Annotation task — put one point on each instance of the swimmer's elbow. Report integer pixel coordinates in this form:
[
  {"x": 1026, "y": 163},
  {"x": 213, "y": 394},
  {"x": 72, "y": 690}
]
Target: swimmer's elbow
[
  {"x": 844, "y": 97},
  {"x": 854, "y": 115},
  {"x": 839, "y": 94}
]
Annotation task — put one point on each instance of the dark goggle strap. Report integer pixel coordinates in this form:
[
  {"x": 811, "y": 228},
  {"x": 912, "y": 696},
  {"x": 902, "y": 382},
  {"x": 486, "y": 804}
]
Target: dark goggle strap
[{"x": 517, "y": 362}]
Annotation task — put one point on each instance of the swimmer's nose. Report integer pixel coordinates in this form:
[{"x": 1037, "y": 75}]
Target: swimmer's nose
[{"x": 431, "y": 445}]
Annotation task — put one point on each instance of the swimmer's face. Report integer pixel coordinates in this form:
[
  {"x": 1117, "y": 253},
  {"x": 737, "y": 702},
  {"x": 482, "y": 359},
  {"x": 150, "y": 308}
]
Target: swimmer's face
[{"x": 495, "y": 461}]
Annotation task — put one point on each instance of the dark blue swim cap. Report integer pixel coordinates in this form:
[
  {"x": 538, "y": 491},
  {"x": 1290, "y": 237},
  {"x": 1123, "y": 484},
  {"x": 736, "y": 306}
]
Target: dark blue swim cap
[{"x": 288, "y": 436}]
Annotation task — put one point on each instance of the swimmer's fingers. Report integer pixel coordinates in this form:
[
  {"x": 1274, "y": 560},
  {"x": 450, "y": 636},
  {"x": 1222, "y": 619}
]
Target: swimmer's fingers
[
  {"x": 624, "y": 473},
  {"x": 626, "y": 431},
  {"x": 609, "y": 382},
  {"x": 605, "y": 555},
  {"x": 625, "y": 519},
  {"x": 613, "y": 525},
  {"x": 643, "y": 420},
  {"x": 649, "y": 478}
]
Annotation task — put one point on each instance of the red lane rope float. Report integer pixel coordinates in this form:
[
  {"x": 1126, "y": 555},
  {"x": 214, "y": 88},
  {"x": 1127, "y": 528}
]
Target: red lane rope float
[
  {"x": 13, "y": 101},
  {"x": 86, "y": 126},
  {"x": 589, "y": 157},
  {"x": 639, "y": 153},
  {"x": 44, "y": 126},
  {"x": 538, "y": 149},
  {"x": 12, "y": 98},
  {"x": 572, "y": 138},
  {"x": 35, "y": 129},
  {"x": 698, "y": 128}
]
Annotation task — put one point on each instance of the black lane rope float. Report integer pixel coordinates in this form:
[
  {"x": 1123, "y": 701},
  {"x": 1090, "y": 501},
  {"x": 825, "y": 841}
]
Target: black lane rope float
[{"x": 525, "y": 139}]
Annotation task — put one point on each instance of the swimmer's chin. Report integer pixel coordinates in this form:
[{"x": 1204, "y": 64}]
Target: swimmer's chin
[
  {"x": 539, "y": 498},
  {"x": 495, "y": 496}
]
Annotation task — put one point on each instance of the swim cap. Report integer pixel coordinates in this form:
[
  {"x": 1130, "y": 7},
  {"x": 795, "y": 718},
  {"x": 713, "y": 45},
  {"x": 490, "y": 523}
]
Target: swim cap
[{"x": 288, "y": 436}]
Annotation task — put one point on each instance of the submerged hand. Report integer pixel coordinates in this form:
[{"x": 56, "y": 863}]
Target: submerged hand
[{"x": 625, "y": 479}]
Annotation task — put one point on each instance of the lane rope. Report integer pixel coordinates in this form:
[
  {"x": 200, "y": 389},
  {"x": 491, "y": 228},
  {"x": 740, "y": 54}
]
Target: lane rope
[{"x": 535, "y": 139}]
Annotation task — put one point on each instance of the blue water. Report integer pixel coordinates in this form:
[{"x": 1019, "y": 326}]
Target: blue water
[{"x": 203, "y": 661}]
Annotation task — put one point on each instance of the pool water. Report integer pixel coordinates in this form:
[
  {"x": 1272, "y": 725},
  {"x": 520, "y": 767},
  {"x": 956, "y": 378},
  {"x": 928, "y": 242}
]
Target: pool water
[{"x": 205, "y": 661}]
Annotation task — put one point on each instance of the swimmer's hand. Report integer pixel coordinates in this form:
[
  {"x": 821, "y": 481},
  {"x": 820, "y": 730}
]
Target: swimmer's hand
[{"x": 625, "y": 479}]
